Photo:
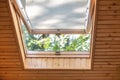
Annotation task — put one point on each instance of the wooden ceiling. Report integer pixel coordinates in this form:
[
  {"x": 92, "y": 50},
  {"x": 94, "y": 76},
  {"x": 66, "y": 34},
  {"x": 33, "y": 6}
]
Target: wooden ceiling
[{"x": 106, "y": 59}]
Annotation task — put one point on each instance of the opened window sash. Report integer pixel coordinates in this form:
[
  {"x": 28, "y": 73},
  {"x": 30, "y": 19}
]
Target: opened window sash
[{"x": 72, "y": 24}]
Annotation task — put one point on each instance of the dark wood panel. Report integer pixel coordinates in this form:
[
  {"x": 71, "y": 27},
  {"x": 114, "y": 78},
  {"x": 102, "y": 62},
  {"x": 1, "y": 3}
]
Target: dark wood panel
[{"x": 106, "y": 59}]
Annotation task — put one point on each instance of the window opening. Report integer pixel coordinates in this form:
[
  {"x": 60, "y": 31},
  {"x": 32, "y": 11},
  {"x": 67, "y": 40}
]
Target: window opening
[
  {"x": 56, "y": 42},
  {"x": 61, "y": 38}
]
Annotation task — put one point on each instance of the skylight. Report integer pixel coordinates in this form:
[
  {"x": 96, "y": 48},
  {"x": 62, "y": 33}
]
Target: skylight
[{"x": 66, "y": 25}]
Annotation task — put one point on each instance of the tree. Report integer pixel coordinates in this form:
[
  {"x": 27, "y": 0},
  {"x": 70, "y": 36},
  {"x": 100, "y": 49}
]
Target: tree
[{"x": 53, "y": 42}]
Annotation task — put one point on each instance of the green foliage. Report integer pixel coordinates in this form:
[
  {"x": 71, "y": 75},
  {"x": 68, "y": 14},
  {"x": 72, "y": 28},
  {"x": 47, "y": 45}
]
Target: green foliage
[{"x": 52, "y": 42}]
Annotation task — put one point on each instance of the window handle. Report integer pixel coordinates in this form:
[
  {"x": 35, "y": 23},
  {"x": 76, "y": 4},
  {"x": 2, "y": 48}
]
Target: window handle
[{"x": 57, "y": 53}]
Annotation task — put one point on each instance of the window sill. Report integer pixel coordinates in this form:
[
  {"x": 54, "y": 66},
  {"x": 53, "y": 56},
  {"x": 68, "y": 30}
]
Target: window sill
[
  {"x": 64, "y": 61},
  {"x": 58, "y": 63}
]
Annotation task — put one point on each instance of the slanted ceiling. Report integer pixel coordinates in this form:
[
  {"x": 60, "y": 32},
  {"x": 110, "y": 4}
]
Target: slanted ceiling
[{"x": 106, "y": 59}]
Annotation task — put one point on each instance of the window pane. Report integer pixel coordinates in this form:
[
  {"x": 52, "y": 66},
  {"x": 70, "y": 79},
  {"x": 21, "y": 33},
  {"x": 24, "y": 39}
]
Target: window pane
[{"x": 53, "y": 42}]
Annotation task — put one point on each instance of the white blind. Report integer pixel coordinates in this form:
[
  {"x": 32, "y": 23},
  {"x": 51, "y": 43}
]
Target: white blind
[
  {"x": 57, "y": 14},
  {"x": 52, "y": 16}
]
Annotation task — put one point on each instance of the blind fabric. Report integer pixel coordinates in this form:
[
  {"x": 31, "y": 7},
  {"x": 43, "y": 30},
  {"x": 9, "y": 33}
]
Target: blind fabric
[{"x": 54, "y": 15}]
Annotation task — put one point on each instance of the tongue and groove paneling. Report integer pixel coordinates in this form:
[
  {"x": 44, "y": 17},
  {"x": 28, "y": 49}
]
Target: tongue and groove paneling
[{"x": 106, "y": 59}]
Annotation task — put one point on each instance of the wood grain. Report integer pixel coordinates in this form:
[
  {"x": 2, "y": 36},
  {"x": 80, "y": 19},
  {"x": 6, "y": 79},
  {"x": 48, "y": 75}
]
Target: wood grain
[{"x": 106, "y": 61}]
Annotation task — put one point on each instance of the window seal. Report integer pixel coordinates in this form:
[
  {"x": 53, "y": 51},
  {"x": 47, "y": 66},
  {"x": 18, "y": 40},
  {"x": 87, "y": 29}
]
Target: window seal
[{"x": 57, "y": 54}]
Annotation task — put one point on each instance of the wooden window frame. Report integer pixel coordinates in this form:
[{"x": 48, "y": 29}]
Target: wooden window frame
[
  {"x": 40, "y": 63},
  {"x": 30, "y": 54},
  {"x": 56, "y": 54}
]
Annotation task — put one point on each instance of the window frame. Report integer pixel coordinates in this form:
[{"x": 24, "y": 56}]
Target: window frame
[{"x": 55, "y": 54}]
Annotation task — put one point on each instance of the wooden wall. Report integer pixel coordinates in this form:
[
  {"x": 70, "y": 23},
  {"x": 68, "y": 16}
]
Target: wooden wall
[{"x": 106, "y": 60}]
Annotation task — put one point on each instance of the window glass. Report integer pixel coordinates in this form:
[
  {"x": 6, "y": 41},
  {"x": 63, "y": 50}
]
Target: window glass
[{"x": 56, "y": 42}]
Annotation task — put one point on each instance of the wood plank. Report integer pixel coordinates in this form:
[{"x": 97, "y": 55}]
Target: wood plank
[
  {"x": 110, "y": 3},
  {"x": 106, "y": 59}
]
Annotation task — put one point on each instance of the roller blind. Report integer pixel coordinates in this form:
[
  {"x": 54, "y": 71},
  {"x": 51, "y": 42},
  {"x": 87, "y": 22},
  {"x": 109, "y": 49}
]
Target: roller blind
[{"x": 54, "y": 16}]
